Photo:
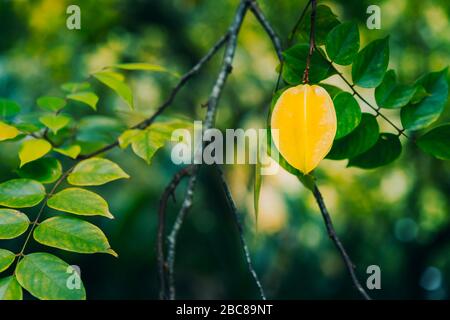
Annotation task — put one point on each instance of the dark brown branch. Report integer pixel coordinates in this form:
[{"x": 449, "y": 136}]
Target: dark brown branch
[
  {"x": 209, "y": 121},
  {"x": 333, "y": 236},
  {"x": 240, "y": 228},
  {"x": 312, "y": 41},
  {"x": 168, "y": 192}
]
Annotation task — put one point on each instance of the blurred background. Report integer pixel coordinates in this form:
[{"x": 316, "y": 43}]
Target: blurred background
[{"x": 396, "y": 217}]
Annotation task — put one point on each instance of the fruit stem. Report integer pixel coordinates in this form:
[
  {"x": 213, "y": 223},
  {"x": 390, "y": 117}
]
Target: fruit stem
[{"x": 312, "y": 41}]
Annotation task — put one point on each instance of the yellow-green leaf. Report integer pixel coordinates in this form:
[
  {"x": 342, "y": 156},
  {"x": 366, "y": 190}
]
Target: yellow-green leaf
[
  {"x": 55, "y": 122},
  {"x": 70, "y": 151},
  {"x": 7, "y": 132},
  {"x": 49, "y": 278},
  {"x": 33, "y": 149},
  {"x": 143, "y": 67},
  {"x": 6, "y": 259},
  {"x": 81, "y": 202},
  {"x": 72, "y": 234},
  {"x": 85, "y": 97},
  {"x": 21, "y": 193},
  {"x": 13, "y": 223},
  {"x": 10, "y": 289},
  {"x": 95, "y": 172},
  {"x": 111, "y": 80},
  {"x": 53, "y": 104}
]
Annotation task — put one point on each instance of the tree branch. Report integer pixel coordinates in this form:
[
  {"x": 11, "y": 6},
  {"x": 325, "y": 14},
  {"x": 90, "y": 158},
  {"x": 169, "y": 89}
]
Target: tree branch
[
  {"x": 333, "y": 236},
  {"x": 254, "y": 7},
  {"x": 168, "y": 192},
  {"x": 240, "y": 228},
  {"x": 209, "y": 121},
  {"x": 312, "y": 41}
]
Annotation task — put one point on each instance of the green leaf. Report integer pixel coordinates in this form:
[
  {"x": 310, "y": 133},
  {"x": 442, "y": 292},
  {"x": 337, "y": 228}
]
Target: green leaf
[
  {"x": 80, "y": 201},
  {"x": 33, "y": 149},
  {"x": 6, "y": 259},
  {"x": 85, "y": 97},
  {"x": 385, "y": 151},
  {"x": 342, "y": 43},
  {"x": 44, "y": 170},
  {"x": 111, "y": 80},
  {"x": 10, "y": 289},
  {"x": 425, "y": 112},
  {"x": 48, "y": 278},
  {"x": 295, "y": 63},
  {"x": 391, "y": 95},
  {"x": 358, "y": 141},
  {"x": 8, "y": 108},
  {"x": 71, "y": 151},
  {"x": 126, "y": 138},
  {"x": 7, "y": 132},
  {"x": 332, "y": 90},
  {"x": 348, "y": 114},
  {"x": 53, "y": 104},
  {"x": 95, "y": 172},
  {"x": 21, "y": 193},
  {"x": 55, "y": 122},
  {"x": 436, "y": 142},
  {"x": 72, "y": 234},
  {"x": 72, "y": 87},
  {"x": 13, "y": 223},
  {"x": 371, "y": 63},
  {"x": 419, "y": 94},
  {"x": 143, "y": 67},
  {"x": 325, "y": 21}
]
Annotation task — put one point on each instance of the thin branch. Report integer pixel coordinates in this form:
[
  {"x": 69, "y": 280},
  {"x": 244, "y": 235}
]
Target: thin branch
[
  {"x": 254, "y": 7},
  {"x": 35, "y": 222},
  {"x": 184, "y": 79},
  {"x": 312, "y": 40},
  {"x": 333, "y": 236},
  {"x": 240, "y": 228},
  {"x": 376, "y": 109},
  {"x": 209, "y": 121},
  {"x": 297, "y": 24},
  {"x": 168, "y": 192}
]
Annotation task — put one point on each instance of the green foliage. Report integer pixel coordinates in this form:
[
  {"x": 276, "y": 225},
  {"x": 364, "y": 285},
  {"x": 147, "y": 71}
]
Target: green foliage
[
  {"x": 6, "y": 259},
  {"x": 342, "y": 43},
  {"x": 55, "y": 122},
  {"x": 81, "y": 202},
  {"x": 295, "y": 63},
  {"x": 383, "y": 152},
  {"x": 348, "y": 114},
  {"x": 436, "y": 142},
  {"x": 44, "y": 170},
  {"x": 142, "y": 66},
  {"x": 115, "y": 81},
  {"x": 358, "y": 141},
  {"x": 419, "y": 115},
  {"x": 391, "y": 95},
  {"x": 95, "y": 172},
  {"x": 46, "y": 276},
  {"x": 13, "y": 223},
  {"x": 21, "y": 193},
  {"x": 8, "y": 108},
  {"x": 10, "y": 289},
  {"x": 371, "y": 63},
  {"x": 72, "y": 87},
  {"x": 72, "y": 234}
]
